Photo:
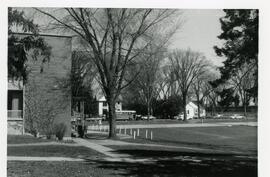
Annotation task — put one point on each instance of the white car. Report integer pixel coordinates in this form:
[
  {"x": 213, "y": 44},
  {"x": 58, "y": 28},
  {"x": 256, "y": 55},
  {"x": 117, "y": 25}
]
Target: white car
[
  {"x": 179, "y": 117},
  {"x": 218, "y": 116},
  {"x": 146, "y": 117},
  {"x": 237, "y": 116}
]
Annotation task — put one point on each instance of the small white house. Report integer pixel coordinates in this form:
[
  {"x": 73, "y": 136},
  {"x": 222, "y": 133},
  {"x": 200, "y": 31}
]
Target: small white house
[
  {"x": 192, "y": 110},
  {"x": 103, "y": 107}
]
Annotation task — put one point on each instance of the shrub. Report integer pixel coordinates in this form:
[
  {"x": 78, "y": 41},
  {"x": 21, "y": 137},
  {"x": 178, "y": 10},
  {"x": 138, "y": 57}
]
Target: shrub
[{"x": 59, "y": 130}]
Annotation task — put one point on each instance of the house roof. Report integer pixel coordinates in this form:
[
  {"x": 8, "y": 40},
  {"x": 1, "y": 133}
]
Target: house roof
[
  {"x": 195, "y": 103},
  {"x": 42, "y": 34},
  {"x": 102, "y": 98}
]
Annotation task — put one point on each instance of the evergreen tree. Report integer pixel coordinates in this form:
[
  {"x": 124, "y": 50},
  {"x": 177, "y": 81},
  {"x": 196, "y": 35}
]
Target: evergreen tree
[
  {"x": 240, "y": 32},
  {"x": 18, "y": 46}
]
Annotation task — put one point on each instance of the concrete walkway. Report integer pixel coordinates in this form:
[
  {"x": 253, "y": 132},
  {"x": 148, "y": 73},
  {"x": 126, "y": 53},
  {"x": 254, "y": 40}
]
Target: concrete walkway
[
  {"x": 23, "y": 158},
  {"x": 108, "y": 142},
  {"x": 112, "y": 156},
  {"x": 100, "y": 148},
  {"x": 42, "y": 144}
]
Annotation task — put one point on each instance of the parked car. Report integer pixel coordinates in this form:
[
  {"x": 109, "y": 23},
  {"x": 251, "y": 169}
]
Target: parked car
[
  {"x": 218, "y": 116},
  {"x": 179, "y": 117},
  {"x": 237, "y": 116},
  {"x": 146, "y": 117},
  {"x": 138, "y": 117}
]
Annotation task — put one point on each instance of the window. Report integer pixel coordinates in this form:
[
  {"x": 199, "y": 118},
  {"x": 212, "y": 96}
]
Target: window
[
  {"x": 187, "y": 111},
  {"x": 104, "y": 103}
]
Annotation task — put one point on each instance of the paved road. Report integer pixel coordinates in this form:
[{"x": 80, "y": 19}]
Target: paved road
[{"x": 105, "y": 127}]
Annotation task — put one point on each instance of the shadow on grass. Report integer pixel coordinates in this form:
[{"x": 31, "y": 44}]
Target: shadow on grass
[
  {"x": 223, "y": 147},
  {"x": 182, "y": 164}
]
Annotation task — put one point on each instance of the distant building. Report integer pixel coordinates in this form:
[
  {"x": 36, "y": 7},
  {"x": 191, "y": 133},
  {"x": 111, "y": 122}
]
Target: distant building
[
  {"x": 192, "y": 110},
  {"x": 49, "y": 84},
  {"x": 103, "y": 107}
]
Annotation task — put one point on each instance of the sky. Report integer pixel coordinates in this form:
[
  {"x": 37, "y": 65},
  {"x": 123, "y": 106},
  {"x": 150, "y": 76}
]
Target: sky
[{"x": 199, "y": 32}]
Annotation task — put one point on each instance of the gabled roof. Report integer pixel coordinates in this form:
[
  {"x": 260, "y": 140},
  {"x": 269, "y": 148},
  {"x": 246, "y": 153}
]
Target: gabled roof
[
  {"x": 195, "y": 104},
  {"x": 102, "y": 98}
]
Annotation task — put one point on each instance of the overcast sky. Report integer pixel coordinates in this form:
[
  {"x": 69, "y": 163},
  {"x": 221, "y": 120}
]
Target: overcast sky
[{"x": 199, "y": 32}]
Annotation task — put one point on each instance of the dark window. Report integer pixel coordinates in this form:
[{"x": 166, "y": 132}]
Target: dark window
[
  {"x": 15, "y": 99},
  {"x": 104, "y": 103}
]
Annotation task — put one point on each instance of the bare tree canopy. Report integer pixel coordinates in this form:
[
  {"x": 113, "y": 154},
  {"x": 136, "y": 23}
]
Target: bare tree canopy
[
  {"x": 187, "y": 66},
  {"x": 243, "y": 81},
  {"x": 149, "y": 71},
  {"x": 114, "y": 38}
]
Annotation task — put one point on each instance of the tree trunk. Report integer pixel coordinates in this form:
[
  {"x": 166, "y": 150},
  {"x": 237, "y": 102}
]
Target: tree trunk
[
  {"x": 213, "y": 106},
  {"x": 198, "y": 102},
  {"x": 184, "y": 105},
  {"x": 148, "y": 110},
  {"x": 112, "y": 118},
  {"x": 245, "y": 104}
]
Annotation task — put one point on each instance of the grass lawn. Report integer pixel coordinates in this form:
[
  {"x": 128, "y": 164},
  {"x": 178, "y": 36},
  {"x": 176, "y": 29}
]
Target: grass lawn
[
  {"x": 58, "y": 169},
  {"x": 235, "y": 138},
  {"x": 185, "y": 167},
  {"x": 165, "y": 161},
  {"x": 53, "y": 151},
  {"x": 21, "y": 139},
  {"x": 171, "y": 121}
]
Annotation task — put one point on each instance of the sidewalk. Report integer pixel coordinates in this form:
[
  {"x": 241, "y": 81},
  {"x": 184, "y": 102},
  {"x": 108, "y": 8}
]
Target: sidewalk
[
  {"x": 23, "y": 158},
  {"x": 99, "y": 148},
  {"x": 42, "y": 144}
]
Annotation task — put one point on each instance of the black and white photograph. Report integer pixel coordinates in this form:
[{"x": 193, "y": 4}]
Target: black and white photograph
[{"x": 131, "y": 91}]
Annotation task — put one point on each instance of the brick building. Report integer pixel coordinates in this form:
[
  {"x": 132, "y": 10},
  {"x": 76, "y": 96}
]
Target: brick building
[{"x": 49, "y": 84}]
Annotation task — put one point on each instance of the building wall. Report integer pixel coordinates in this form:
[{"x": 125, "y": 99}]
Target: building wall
[
  {"x": 15, "y": 107},
  {"x": 190, "y": 111},
  {"x": 193, "y": 110},
  {"x": 101, "y": 107},
  {"x": 52, "y": 83}
]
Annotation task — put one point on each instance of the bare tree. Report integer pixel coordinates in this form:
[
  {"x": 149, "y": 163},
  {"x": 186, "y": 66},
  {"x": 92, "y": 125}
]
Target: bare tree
[
  {"x": 114, "y": 38},
  {"x": 211, "y": 97},
  {"x": 82, "y": 72},
  {"x": 187, "y": 66},
  {"x": 201, "y": 86},
  {"x": 149, "y": 71},
  {"x": 197, "y": 88},
  {"x": 242, "y": 81},
  {"x": 167, "y": 81}
]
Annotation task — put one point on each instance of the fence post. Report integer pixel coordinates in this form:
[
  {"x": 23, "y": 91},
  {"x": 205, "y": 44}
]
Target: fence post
[
  {"x": 151, "y": 137},
  {"x": 134, "y": 135},
  {"x": 146, "y": 132},
  {"x": 138, "y": 132}
]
